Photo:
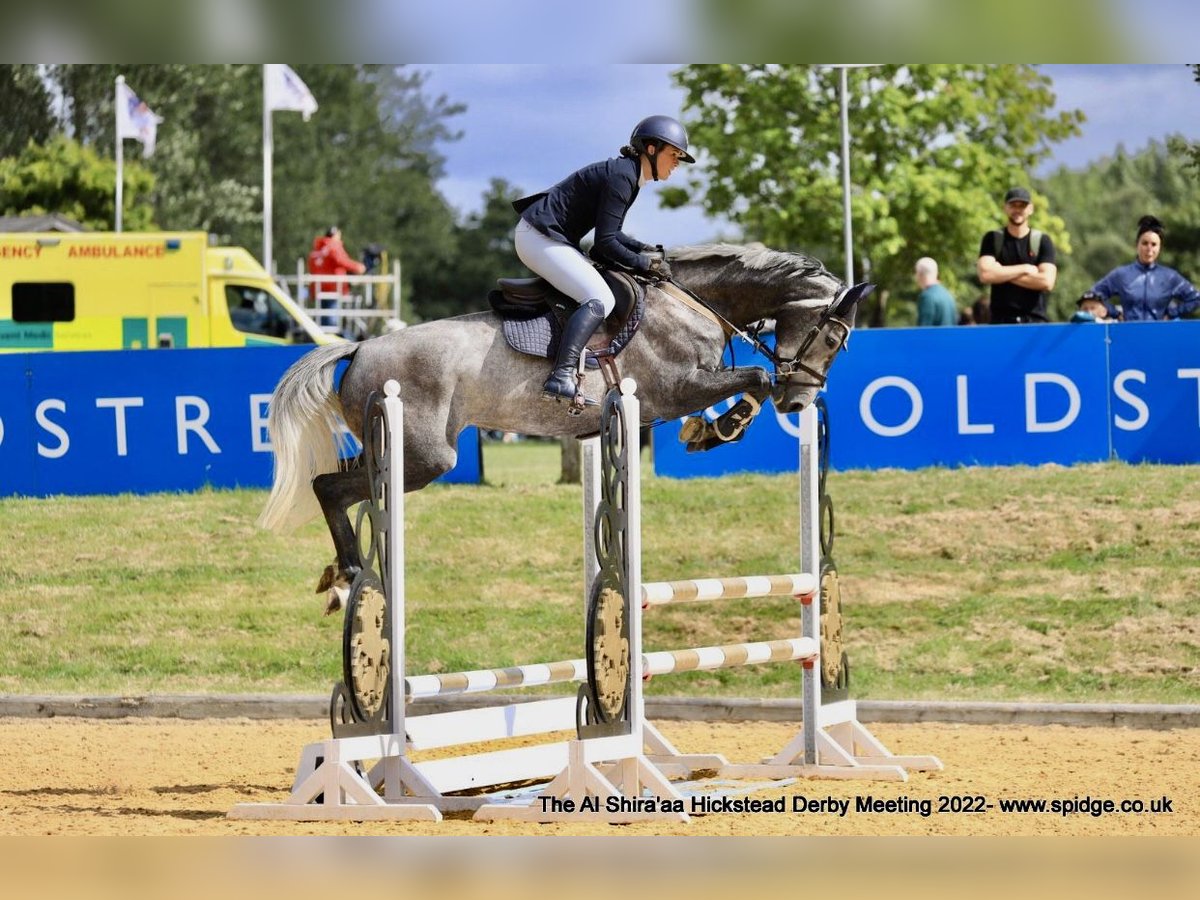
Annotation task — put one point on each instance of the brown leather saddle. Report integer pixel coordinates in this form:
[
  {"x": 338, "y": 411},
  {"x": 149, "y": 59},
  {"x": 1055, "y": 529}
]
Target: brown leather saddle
[{"x": 533, "y": 314}]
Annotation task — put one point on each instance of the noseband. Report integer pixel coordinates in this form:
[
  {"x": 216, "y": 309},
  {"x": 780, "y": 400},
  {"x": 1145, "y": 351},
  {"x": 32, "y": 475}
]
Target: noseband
[{"x": 791, "y": 370}]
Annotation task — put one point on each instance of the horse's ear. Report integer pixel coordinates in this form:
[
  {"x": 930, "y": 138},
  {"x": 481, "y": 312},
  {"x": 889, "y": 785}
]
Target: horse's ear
[{"x": 852, "y": 298}]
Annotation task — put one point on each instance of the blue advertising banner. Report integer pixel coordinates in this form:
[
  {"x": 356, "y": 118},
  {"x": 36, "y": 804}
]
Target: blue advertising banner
[
  {"x": 141, "y": 421},
  {"x": 995, "y": 395},
  {"x": 1156, "y": 391}
]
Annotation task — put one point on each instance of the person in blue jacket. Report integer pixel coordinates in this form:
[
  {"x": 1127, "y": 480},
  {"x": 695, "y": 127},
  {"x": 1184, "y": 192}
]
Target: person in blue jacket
[
  {"x": 596, "y": 197},
  {"x": 1144, "y": 289}
]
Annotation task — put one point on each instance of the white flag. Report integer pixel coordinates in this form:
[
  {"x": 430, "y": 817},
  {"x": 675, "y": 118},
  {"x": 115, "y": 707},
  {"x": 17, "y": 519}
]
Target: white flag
[
  {"x": 135, "y": 120},
  {"x": 285, "y": 90}
]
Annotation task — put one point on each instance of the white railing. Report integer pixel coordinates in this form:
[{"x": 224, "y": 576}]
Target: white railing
[{"x": 370, "y": 307}]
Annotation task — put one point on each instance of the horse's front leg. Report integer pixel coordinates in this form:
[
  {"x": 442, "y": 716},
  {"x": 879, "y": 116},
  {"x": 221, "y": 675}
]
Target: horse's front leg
[
  {"x": 337, "y": 492},
  {"x": 752, "y": 383}
]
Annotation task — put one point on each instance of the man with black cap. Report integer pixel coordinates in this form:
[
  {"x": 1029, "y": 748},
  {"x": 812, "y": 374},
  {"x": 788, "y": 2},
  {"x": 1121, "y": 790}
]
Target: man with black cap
[{"x": 1018, "y": 262}]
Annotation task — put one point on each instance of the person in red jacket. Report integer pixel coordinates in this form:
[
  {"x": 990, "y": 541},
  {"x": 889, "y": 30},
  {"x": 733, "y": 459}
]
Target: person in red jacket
[{"x": 329, "y": 257}]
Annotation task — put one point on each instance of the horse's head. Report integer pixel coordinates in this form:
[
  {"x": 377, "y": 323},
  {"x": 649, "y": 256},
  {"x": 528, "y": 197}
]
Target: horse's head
[
  {"x": 813, "y": 310},
  {"x": 808, "y": 336}
]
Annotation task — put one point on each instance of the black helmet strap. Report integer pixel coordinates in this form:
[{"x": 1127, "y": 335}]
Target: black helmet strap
[{"x": 653, "y": 157}]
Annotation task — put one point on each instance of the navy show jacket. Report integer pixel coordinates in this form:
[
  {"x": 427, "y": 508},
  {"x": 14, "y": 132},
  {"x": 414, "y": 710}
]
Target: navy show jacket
[{"x": 597, "y": 196}]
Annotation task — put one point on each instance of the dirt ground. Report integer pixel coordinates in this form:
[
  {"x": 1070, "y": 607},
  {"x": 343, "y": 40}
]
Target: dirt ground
[{"x": 70, "y": 776}]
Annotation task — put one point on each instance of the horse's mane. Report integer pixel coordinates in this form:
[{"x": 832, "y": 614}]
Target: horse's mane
[{"x": 751, "y": 256}]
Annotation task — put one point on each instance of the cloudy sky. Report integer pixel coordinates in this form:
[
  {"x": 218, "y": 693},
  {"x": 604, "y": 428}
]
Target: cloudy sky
[{"x": 533, "y": 124}]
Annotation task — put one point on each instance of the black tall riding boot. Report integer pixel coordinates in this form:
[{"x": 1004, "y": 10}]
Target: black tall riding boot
[{"x": 561, "y": 385}]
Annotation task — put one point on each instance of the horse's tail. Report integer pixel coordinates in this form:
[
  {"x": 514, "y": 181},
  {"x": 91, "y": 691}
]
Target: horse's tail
[{"x": 306, "y": 432}]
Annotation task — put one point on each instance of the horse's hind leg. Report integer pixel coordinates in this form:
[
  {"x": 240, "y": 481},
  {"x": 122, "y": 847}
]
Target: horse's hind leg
[{"x": 337, "y": 492}]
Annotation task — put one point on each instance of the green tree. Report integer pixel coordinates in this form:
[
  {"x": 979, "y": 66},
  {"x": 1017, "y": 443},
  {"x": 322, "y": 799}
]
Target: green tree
[
  {"x": 483, "y": 251},
  {"x": 208, "y": 158},
  {"x": 368, "y": 160},
  {"x": 25, "y": 108},
  {"x": 1192, "y": 150},
  {"x": 933, "y": 149},
  {"x": 61, "y": 176}
]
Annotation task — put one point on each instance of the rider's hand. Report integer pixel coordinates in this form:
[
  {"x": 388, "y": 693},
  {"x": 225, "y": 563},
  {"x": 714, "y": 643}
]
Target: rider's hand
[{"x": 659, "y": 268}]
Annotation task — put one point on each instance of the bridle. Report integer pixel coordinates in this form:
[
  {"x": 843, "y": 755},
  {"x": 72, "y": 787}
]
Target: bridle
[{"x": 789, "y": 370}]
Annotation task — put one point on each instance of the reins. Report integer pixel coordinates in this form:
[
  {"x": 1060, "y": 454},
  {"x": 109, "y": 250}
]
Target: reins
[{"x": 787, "y": 369}]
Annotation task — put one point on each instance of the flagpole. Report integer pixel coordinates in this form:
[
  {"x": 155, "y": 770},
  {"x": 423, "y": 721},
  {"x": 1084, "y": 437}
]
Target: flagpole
[
  {"x": 120, "y": 151},
  {"x": 847, "y": 230},
  {"x": 267, "y": 152}
]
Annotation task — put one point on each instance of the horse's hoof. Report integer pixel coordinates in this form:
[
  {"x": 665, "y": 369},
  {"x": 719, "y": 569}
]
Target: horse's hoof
[
  {"x": 692, "y": 430},
  {"x": 327, "y": 579},
  {"x": 336, "y": 598},
  {"x": 704, "y": 445},
  {"x": 335, "y": 584}
]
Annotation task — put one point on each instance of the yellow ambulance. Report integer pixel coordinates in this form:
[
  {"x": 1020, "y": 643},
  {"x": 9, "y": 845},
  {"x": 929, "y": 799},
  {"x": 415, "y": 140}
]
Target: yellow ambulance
[{"x": 137, "y": 290}]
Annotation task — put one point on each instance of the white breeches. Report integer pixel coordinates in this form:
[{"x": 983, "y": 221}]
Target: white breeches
[{"x": 563, "y": 266}]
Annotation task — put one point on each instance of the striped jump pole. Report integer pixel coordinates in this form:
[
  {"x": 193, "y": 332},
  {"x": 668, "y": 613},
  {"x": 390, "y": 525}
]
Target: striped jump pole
[
  {"x": 703, "y": 658},
  {"x": 661, "y": 662},
  {"x": 800, "y": 585}
]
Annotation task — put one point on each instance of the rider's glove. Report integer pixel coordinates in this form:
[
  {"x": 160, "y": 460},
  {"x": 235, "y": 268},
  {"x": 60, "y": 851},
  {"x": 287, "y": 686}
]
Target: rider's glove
[{"x": 659, "y": 269}]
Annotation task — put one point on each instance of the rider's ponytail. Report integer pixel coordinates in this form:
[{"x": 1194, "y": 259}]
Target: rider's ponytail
[{"x": 628, "y": 152}]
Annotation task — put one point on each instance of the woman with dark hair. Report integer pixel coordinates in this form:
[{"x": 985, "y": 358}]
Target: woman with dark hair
[
  {"x": 554, "y": 221},
  {"x": 1144, "y": 288}
]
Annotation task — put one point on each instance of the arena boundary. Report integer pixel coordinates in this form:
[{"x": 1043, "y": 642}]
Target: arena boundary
[{"x": 1154, "y": 716}]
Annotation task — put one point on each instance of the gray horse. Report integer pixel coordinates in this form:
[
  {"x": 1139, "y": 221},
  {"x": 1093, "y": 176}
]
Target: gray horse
[{"x": 460, "y": 371}]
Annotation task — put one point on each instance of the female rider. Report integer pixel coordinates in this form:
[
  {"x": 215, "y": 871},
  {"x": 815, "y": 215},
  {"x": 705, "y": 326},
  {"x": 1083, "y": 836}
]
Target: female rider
[
  {"x": 1143, "y": 287},
  {"x": 598, "y": 196}
]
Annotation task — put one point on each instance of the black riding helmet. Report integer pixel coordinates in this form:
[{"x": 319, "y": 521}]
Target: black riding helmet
[{"x": 661, "y": 130}]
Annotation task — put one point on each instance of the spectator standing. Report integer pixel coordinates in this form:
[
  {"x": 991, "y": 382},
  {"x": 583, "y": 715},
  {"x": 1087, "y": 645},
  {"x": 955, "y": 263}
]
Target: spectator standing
[
  {"x": 329, "y": 257},
  {"x": 935, "y": 306},
  {"x": 1019, "y": 263},
  {"x": 1144, "y": 288}
]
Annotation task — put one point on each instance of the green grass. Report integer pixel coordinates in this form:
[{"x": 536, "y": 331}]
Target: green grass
[
  {"x": 1076, "y": 584},
  {"x": 528, "y": 461}
]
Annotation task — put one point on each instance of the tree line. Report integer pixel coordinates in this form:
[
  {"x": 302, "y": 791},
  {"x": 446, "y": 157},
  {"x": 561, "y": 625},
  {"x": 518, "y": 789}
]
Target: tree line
[
  {"x": 934, "y": 148},
  {"x": 368, "y": 161}
]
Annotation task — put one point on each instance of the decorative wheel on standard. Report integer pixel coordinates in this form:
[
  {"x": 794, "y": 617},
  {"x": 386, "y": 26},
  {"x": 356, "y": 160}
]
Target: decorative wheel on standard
[
  {"x": 835, "y": 669},
  {"x": 609, "y": 646},
  {"x": 366, "y": 649}
]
